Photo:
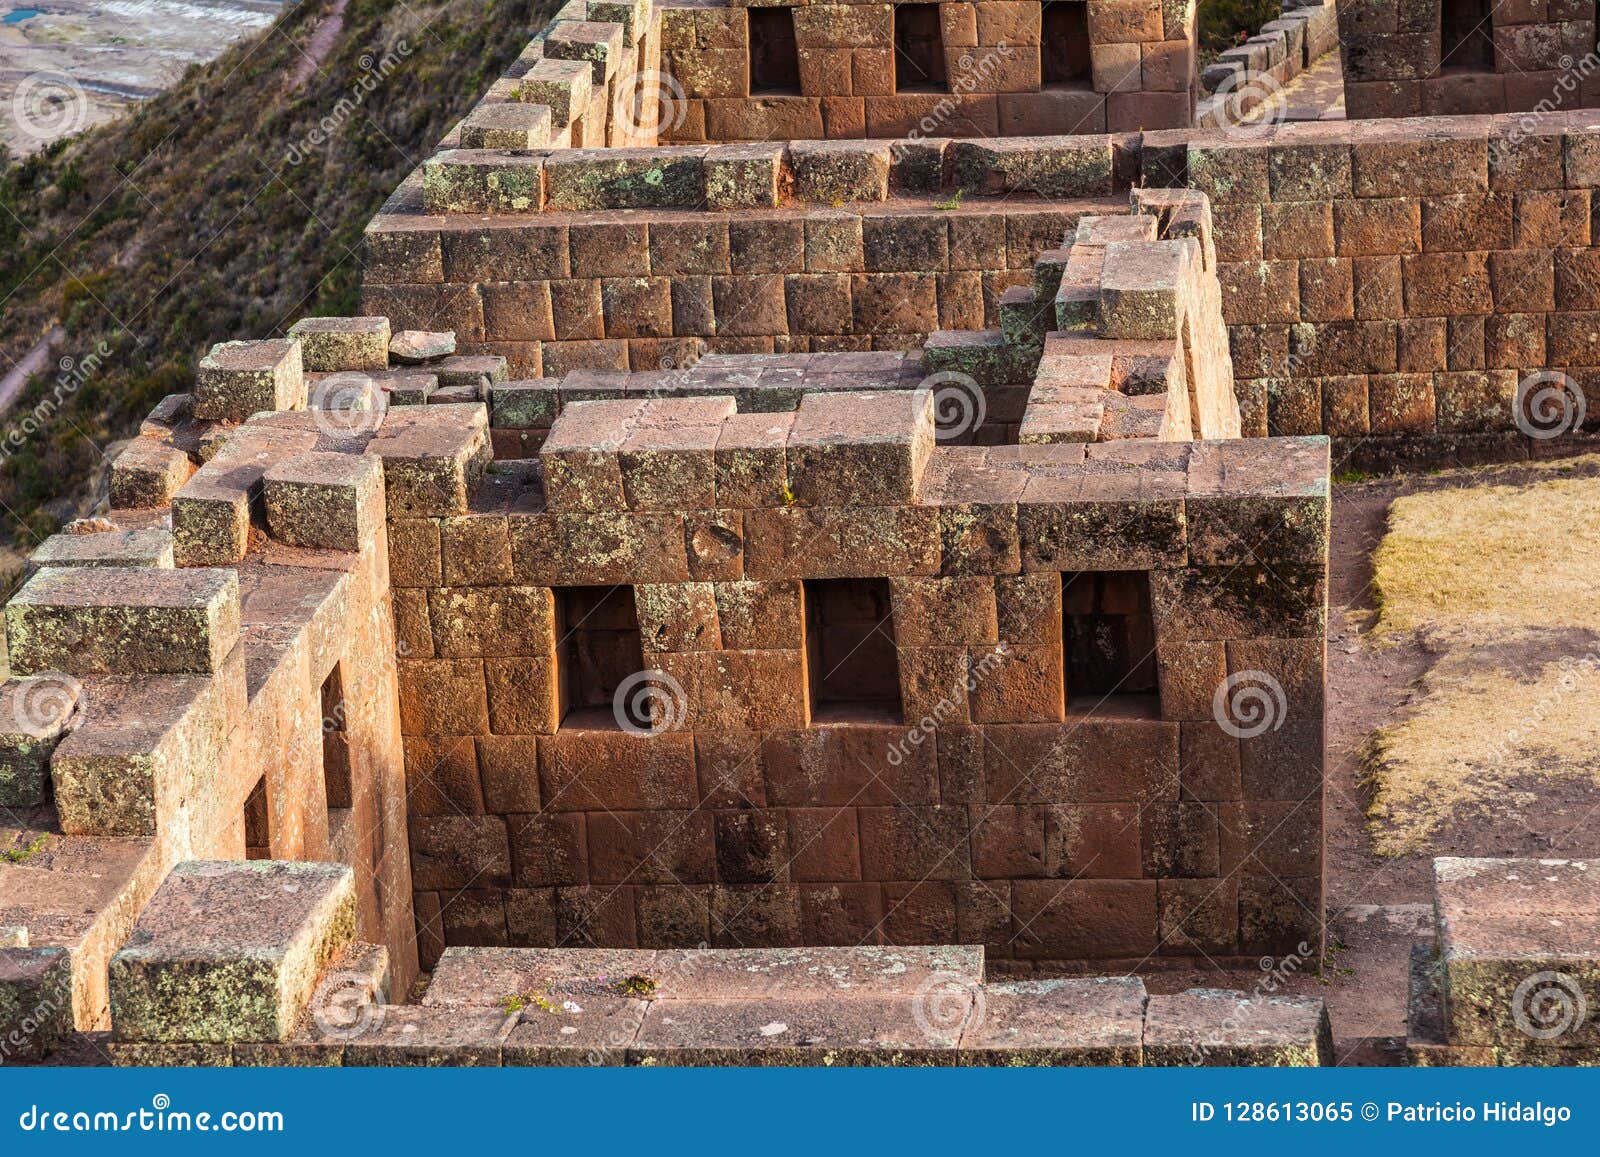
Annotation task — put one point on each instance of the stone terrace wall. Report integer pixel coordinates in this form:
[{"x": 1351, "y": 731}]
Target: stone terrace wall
[
  {"x": 1397, "y": 63},
  {"x": 1139, "y": 73},
  {"x": 1036, "y": 816},
  {"x": 1391, "y": 283},
  {"x": 863, "y": 253},
  {"x": 189, "y": 684}
]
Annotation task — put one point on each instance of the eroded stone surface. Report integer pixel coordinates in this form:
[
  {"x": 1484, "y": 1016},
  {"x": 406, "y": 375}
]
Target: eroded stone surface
[{"x": 230, "y": 951}]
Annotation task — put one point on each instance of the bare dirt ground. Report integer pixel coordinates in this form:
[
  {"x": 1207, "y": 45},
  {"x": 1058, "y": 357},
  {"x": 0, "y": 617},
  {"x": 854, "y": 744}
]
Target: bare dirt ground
[
  {"x": 1378, "y": 905},
  {"x": 66, "y": 65}
]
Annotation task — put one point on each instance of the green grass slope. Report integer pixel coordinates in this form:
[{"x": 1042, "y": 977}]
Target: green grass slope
[{"x": 226, "y": 208}]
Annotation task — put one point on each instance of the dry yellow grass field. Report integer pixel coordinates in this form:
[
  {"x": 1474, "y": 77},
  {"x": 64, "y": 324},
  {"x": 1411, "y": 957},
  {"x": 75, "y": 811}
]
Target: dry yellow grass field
[{"x": 1501, "y": 583}]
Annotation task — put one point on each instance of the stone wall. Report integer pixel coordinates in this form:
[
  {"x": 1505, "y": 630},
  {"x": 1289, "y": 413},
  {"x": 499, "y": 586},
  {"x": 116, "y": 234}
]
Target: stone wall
[
  {"x": 1397, "y": 312},
  {"x": 1032, "y": 758},
  {"x": 991, "y": 68},
  {"x": 1405, "y": 58},
  {"x": 188, "y": 683},
  {"x": 1037, "y": 816},
  {"x": 834, "y": 246},
  {"x": 1392, "y": 283}
]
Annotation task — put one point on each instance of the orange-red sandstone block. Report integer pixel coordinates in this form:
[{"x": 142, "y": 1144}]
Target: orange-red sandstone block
[
  {"x": 123, "y": 620},
  {"x": 1083, "y": 919},
  {"x": 583, "y": 770},
  {"x": 859, "y": 448},
  {"x": 237, "y": 379},
  {"x": 325, "y": 500}
]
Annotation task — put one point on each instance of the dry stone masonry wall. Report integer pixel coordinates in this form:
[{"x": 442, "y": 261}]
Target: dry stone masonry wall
[{"x": 728, "y": 526}]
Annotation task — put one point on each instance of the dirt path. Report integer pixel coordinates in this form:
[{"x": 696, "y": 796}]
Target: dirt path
[
  {"x": 323, "y": 38},
  {"x": 32, "y": 362}
]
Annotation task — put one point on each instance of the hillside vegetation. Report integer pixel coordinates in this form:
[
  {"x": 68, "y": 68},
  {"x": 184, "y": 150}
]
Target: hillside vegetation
[{"x": 226, "y": 208}]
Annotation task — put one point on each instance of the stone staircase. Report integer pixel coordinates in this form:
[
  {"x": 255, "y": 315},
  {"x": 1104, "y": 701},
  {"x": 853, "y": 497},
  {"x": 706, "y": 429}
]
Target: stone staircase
[{"x": 1120, "y": 333}]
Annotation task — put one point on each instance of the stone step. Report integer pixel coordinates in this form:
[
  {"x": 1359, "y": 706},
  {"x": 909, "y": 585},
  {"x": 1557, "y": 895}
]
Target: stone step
[
  {"x": 632, "y": 15},
  {"x": 598, "y": 43},
  {"x": 1427, "y": 1045},
  {"x": 141, "y": 546},
  {"x": 211, "y": 512},
  {"x": 807, "y": 1006},
  {"x": 240, "y": 378},
  {"x": 1519, "y": 942},
  {"x": 141, "y": 745},
  {"x": 123, "y": 621},
  {"x": 981, "y": 355},
  {"x": 230, "y": 951},
  {"x": 34, "y": 714},
  {"x": 433, "y": 458},
  {"x": 324, "y": 500},
  {"x": 339, "y": 344},
  {"x": 490, "y": 976},
  {"x": 147, "y": 473},
  {"x": 35, "y": 1002},
  {"x": 563, "y": 86},
  {"x": 1024, "y": 320},
  {"x": 1207, "y": 1026},
  {"x": 483, "y": 181},
  {"x": 508, "y": 125}
]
